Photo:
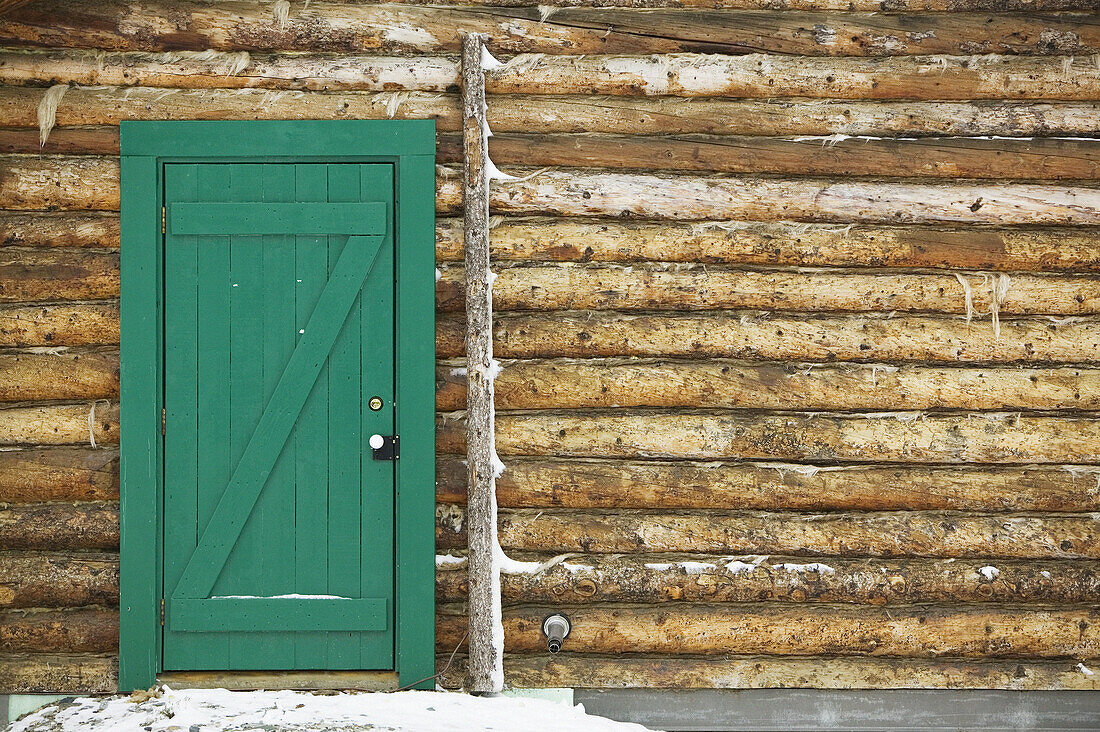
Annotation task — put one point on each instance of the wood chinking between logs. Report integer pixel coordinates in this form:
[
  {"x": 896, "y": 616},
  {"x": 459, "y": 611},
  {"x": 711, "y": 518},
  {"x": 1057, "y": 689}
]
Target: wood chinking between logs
[{"x": 747, "y": 309}]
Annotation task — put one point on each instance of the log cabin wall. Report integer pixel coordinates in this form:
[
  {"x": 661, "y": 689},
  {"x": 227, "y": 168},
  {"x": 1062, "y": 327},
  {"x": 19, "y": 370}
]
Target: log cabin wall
[{"x": 798, "y": 314}]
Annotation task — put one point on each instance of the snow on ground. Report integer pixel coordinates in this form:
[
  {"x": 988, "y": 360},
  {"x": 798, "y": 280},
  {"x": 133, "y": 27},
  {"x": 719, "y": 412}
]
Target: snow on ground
[{"x": 213, "y": 710}]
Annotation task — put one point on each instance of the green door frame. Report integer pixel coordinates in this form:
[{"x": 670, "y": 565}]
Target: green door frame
[{"x": 146, "y": 146}]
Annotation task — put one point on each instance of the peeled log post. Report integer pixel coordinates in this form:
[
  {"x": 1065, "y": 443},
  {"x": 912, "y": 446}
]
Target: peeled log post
[
  {"x": 58, "y": 580},
  {"x": 58, "y": 376},
  {"x": 661, "y": 286},
  {"x": 59, "y": 325},
  {"x": 617, "y": 383},
  {"x": 764, "y": 672},
  {"x": 485, "y": 674},
  {"x": 65, "y": 631},
  {"x": 591, "y": 579},
  {"x": 782, "y": 243},
  {"x": 59, "y": 526},
  {"x": 890, "y": 534},
  {"x": 772, "y": 337},
  {"x": 583, "y": 113},
  {"x": 807, "y": 631},
  {"x": 58, "y": 674},
  {"x": 619, "y": 484},
  {"x": 94, "y": 423}
]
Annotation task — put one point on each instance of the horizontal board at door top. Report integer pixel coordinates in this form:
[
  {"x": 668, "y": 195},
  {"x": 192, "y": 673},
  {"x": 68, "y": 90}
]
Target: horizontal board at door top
[
  {"x": 527, "y": 114},
  {"x": 949, "y": 78},
  {"x": 222, "y": 219},
  {"x": 678, "y": 578},
  {"x": 333, "y": 26},
  {"x": 541, "y": 482},
  {"x": 817, "y": 437},
  {"x": 804, "y": 631}
]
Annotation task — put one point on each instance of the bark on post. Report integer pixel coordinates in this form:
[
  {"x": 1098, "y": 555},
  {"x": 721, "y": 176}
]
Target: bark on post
[{"x": 486, "y": 665}]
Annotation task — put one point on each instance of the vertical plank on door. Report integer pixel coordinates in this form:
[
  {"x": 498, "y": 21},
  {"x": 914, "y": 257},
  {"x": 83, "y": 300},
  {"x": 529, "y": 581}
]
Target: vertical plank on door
[
  {"x": 378, "y": 477},
  {"x": 345, "y": 397},
  {"x": 181, "y": 398},
  {"x": 276, "y": 504},
  {"x": 311, "y": 498},
  {"x": 215, "y": 467},
  {"x": 246, "y": 320}
]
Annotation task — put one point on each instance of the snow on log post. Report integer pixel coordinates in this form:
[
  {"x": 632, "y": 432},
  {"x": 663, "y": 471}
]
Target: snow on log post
[{"x": 485, "y": 668}]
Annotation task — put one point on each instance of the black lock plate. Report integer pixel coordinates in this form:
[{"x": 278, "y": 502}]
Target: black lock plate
[{"x": 388, "y": 451}]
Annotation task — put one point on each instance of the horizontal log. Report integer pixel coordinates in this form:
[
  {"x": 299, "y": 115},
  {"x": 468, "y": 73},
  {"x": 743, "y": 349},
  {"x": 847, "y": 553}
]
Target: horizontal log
[
  {"x": 58, "y": 674},
  {"x": 889, "y": 437},
  {"x": 770, "y": 76},
  {"x": 408, "y": 28},
  {"x": 618, "y": 384},
  {"x": 890, "y": 534},
  {"x": 805, "y": 631},
  {"x": 58, "y": 376},
  {"x": 66, "y": 229},
  {"x": 53, "y": 631},
  {"x": 92, "y": 183},
  {"x": 59, "y": 526},
  {"x": 62, "y": 141},
  {"x": 58, "y": 580},
  {"x": 754, "y": 75},
  {"x": 854, "y": 5},
  {"x": 58, "y": 474},
  {"x": 48, "y": 274},
  {"x": 94, "y": 423},
  {"x": 661, "y": 286},
  {"x": 617, "y": 484},
  {"x": 763, "y": 672},
  {"x": 769, "y": 336},
  {"x": 781, "y": 243},
  {"x": 81, "y": 106},
  {"x": 86, "y": 324},
  {"x": 705, "y": 578},
  {"x": 1040, "y": 159}
]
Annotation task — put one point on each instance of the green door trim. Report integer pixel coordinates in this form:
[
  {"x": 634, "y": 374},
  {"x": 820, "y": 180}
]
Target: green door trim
[{"x": 146, "y": 147}]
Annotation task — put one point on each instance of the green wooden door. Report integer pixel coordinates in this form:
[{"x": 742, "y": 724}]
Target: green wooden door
[{"x": 278, "y": 331}]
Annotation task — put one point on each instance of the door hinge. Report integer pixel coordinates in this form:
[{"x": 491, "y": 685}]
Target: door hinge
[
  {"x": 163, "y": 220},
  {"x": 162, "y": 611},
  {"x": 163, "y": 420}
]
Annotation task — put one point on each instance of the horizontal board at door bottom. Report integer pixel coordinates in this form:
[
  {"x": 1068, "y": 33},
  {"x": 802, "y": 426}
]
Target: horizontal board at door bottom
[
  {"x": 963, "y": 77},
  {"x": 615, "y": 383},
  {"x": 660, "y": 286},
  {"x": 542, "y": 670},
  {"x": 334, "y": 26},
  {"x": 77, "y": 182},
  {"x": 84, "y": 630},
  {"x": 772, "y": 336},
  {"x": 50, "y": 580},
  {"x": 81, "y": 107},
  {"x": 838, "y": 534},
  {"x": 654, "y": 484},
  {"x": 806, "y": 630},
  {"x": 59, "y": 526},
  {"x": 660, "y": 578},
  {"x": 819, "y": 437}
]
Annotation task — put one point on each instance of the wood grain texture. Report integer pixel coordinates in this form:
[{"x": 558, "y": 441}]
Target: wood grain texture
[
  {"x": 65, "y": 631},
  {"x": 771, "y": 336},
  {"x": 659, "y": 579},
  {"x": 82, "y": 108},
  {"x": 652, "y": 484},
  {"x": 52, "y": 326},
  {"x": 72, "y": 673},
  {"x": 408, "y": 28},
  {"x": 782, "y": 243},
  {"x": 682, "y": 287},
  {"x": 50, "y": 274},
  {"x": 805, "y": 631},
  {"x": 59, "y": 526},
  {"x": 58, "y": 580},
  {"x": 65, "y": 229},
  {"x": 58, "y": 474},
  {"x": 58, "y": 376},
  {"x": 864, "y": 5},
  {"x": 93, "y": 422}
]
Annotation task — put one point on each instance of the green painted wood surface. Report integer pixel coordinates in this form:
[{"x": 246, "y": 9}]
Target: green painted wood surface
[
  {"x": 256, "y": 615},
  {"x": 275, "y": 218},
  {"x": 248, "y": 293}
]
